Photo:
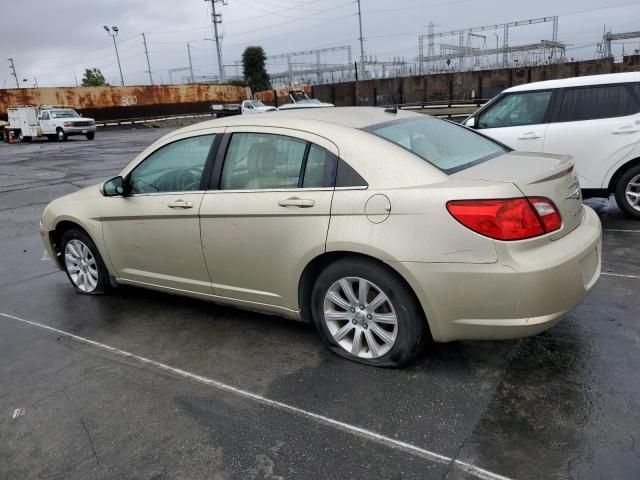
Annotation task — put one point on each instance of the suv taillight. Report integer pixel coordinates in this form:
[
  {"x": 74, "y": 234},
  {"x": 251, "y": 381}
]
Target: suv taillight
[{"x": 508, "y": 218}]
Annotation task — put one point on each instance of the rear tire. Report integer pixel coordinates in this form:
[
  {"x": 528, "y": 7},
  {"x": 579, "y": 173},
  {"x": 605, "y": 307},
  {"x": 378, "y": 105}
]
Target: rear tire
[
  {"x": 82, "y": 262},
  {"x": 627, "y": 192},
  {"x": 382, "y": 325}
]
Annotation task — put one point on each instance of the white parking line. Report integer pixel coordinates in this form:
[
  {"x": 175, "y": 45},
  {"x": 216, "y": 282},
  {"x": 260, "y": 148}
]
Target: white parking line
[
  {"x": 620, "y": 275},
  {"x": 383, "y": 439}
]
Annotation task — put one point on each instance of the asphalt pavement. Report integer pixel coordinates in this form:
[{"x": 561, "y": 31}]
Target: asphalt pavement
[{"x": 139, "y": 384}]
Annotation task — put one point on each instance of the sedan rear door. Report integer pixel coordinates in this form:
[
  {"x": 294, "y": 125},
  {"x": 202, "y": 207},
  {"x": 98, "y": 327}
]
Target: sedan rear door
[{"x": 267, "y": 214}]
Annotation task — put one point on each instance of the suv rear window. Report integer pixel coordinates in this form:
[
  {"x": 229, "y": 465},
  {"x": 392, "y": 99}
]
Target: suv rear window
[
  {"x": 591, "y": 103},
  {"x": 443, "y": 144}
]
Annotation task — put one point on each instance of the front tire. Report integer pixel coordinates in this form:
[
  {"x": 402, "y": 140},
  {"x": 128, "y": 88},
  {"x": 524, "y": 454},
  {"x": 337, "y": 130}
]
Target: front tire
[
  {"x": 82, "y": 261},
  {"x": 366, "y": 313},
  {"x": 628, "y": 192},
  {"x": 61, "y": 136},
  {"x": 91, "y": 136}
]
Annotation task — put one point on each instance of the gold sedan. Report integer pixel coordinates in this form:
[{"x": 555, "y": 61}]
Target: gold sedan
[{"x": 385, "y": 228}]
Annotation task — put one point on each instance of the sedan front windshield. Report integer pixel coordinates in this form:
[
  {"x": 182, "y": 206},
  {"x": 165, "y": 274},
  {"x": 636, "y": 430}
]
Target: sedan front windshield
[
  {"x": 64, "y": 114},
  {"x": 443, "y": 144}
]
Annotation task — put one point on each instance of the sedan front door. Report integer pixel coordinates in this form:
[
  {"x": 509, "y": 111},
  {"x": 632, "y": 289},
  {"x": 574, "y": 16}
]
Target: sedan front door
[
  {"x": 152, "y": 233},
  {"x": 268, "y": 215}
]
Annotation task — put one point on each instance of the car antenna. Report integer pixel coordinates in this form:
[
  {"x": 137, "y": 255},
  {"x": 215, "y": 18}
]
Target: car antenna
[{"x": 393, "y": 110}]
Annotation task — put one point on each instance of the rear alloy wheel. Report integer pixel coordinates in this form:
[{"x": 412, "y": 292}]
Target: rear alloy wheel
[
  {"x": 83, "y": 263},
  {"x": 628, "y": 192},
  {"x": 365, "y": 313}
]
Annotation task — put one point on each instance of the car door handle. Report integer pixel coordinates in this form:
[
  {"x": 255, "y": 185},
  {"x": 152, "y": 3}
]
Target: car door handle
[
  {"x": 297, "y": 202},
  {"x": 625, "y": 129},
  {"x": 528, "y": 136},
  {"x": 180, "y": 204}
]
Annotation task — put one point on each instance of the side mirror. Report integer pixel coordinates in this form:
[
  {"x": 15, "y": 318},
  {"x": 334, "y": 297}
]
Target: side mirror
[
  {"x": 470, "y": 122},
  {"x": 113, "y": 187}
]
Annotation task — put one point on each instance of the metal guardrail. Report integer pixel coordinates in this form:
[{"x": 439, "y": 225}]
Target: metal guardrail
[{"x": 142, "y": 120}]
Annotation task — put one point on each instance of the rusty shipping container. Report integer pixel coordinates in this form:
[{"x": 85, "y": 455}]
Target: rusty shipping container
[{"x": 109, "y": 103}]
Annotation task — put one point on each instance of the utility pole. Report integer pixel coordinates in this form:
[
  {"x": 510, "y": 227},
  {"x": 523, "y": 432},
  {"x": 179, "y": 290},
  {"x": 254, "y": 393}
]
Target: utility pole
[
  {"x": 13, "y": 72},
  {"x": 216, "y": 18},
  {"x": 113, "y": 33},
  {"x": 361, "y": 38},
  {"x": 190, "y": 64},
  {"x": 146, "y": 52}
]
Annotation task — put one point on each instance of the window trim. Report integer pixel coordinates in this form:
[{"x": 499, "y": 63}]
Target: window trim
[
  {"x": 555, "y": 113},
  {"x": 545, "y": 119},
  {"x": 207, "y": 166},
  {"x": 215, "y": 179}
]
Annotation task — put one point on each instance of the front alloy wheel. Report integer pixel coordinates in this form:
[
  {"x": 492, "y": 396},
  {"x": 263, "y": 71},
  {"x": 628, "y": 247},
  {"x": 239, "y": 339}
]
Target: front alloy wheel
[
  {"x": 81, "y": 265},
  {"x": 360, "y": 317}
]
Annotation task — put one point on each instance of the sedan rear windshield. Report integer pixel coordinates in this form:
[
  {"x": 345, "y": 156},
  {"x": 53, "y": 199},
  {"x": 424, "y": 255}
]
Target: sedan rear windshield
[{"x": 443, "y": 144}]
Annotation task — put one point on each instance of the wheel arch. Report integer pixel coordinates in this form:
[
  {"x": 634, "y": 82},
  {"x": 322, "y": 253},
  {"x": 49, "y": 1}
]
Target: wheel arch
[
  {"x": 66, "y": 224},
  {"x": 611, "y": 186},
  {"x": 317, "y": 264}
]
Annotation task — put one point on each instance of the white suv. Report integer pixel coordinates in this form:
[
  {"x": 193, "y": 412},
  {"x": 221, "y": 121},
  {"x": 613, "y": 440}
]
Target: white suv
[{"x": 595, "y": 119}]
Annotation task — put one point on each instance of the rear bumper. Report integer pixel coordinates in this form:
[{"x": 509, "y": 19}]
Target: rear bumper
[{"x": 526, "y": 292}]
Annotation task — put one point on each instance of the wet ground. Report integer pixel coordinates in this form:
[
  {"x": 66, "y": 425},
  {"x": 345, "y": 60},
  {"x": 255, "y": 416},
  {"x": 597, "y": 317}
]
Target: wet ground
[{"x": 564, "y": 404}]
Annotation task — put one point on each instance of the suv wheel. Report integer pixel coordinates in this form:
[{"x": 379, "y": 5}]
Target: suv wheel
[
  {"x": 83, "y": 263},
  {"x": 628, "y": 192},
  {"x": 364, "y": 312}
]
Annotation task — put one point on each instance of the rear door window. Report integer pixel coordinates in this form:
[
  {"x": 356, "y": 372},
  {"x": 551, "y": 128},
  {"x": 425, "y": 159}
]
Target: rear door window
[
  {"x": 592, "y": 103},
  {"x": 516, "y": 109}
]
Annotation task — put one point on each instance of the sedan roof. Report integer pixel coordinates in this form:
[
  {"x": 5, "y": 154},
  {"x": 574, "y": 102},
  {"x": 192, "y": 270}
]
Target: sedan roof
[{"x": 354, "y": 117}]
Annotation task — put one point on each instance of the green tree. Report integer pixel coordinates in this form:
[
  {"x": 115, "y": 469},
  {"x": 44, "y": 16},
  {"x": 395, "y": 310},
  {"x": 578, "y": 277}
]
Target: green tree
[
  {"x": 254, "y": 69},
  {"x": 93, "y": 78}
]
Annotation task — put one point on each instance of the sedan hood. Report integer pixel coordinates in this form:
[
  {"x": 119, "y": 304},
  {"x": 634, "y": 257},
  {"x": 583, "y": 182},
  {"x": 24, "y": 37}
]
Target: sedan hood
[{"x": 536, "y": 174}]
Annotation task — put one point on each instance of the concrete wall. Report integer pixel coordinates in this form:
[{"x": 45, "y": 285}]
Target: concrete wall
[
  {"x": 127, "y": 102},
  {"x": 460, "y": 85}
]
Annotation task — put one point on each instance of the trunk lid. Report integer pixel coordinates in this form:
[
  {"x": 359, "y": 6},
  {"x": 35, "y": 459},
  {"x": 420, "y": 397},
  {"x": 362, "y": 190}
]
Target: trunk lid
[{"x": 537, "y": 175}]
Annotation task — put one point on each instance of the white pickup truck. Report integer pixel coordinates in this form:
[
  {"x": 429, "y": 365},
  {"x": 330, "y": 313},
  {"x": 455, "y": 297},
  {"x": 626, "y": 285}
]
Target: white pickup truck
[{"x": 50, "y": 121}]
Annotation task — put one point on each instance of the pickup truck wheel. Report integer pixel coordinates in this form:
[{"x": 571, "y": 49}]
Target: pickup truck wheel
[
  {"x": 61, "y": 136},
  {"x": 628, "y": 192},
  {"x": 91, "y": 136}
]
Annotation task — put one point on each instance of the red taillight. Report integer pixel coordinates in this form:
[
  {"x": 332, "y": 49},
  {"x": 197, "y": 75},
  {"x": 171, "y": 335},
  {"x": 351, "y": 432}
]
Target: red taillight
[{"x": 509, "y": 218}]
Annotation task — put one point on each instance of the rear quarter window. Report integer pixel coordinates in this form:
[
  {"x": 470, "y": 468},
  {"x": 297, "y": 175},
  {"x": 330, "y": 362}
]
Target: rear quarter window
[
  {"x": 592, "y": 103},
  {"x": 445, "y": 145}
]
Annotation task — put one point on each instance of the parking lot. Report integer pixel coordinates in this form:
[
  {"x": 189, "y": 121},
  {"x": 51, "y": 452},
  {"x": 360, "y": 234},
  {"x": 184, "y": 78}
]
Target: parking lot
[{"x": 138, "y": 384}]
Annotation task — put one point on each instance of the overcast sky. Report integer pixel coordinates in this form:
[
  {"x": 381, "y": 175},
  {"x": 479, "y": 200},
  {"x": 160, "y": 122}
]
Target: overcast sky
[{"x": 55, "y": 41}]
